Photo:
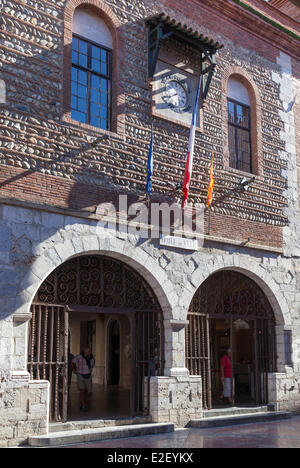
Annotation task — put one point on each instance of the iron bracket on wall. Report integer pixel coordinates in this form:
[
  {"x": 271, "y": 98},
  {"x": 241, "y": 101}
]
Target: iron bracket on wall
[{"x": 161, "y": 27}]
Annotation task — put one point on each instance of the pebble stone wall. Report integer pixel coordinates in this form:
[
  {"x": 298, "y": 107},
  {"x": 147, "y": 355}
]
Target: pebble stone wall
[{"x": 52, "y": 178}]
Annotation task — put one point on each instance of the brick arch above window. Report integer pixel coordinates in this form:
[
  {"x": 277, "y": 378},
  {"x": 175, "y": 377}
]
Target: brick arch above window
[
  {"x": 247, "y": 81},
  {"x": 115, "y": 27}
]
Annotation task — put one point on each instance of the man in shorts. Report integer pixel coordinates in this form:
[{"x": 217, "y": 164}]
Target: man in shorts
[
  {"x": 83, "y": 365},
  {"x": 226, "y": 374}
]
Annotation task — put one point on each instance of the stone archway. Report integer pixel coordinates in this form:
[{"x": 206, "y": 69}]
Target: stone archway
[
  {"x": 230, "y": 297},
  {"x": 95, "y": 286}
]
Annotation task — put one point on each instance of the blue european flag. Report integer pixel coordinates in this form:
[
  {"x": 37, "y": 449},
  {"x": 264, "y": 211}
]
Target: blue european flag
[{"x": 150, "y": 168}]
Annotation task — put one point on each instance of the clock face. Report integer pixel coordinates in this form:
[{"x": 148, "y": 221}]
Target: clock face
[{"x": 176, "y": 95}]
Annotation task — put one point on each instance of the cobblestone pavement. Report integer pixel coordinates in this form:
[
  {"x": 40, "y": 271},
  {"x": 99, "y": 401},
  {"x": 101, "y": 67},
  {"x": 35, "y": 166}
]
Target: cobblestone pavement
[{"x": 279, "y": 434}]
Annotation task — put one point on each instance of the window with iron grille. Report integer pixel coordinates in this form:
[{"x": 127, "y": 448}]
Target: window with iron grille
[
  {"x": 91, "y": 83},
  {"x": 239, "y": 132}
]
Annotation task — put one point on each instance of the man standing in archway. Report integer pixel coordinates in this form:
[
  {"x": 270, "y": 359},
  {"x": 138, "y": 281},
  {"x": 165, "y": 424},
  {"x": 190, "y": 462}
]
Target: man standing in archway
[
  {"x": 226, "y": 374},
  {"x": 83, "y": 366}
]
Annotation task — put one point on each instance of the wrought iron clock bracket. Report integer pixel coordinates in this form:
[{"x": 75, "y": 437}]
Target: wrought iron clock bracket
[{"x": 159, "y": 33}]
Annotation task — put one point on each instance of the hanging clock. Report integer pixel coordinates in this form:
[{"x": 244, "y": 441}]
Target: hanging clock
[
  {"x": 176, "y": 94},
  {"x": 173, "y": 94}
]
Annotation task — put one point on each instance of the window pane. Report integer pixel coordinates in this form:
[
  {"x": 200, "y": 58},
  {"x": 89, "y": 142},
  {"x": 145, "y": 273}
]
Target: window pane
[
  {"x": 232, "y": 150},
  {"x": 79, "y": 116},
  {"x": 104, "y": 56},
  {"x": 104, "y": 85},
  {"x": 95, "y": 82},
  {"x": 74, "y": 57},
  {"x": 74, "y": 87},
  {"x": 95, "y": 95},
  {"x": 244, "y": 154},
  {"x": 104, "y": 99},
  {"x": 83, "y": 60},
  {"x": 74, "y": 74},
  {"x": 95, "y": 65},
  {"x": 82, "y": 77},
  {"x": 82, "y": 91},
  {"x": 96, "y": 52},
  {"x": 95, "y": 109},
  {"x": 73, "y": 102},
  {"x": 242, "y": 116},
  {"x": 74, "y": 43},
  {"x": 231, "y": 118},
  {"x": 95, "y": 122},
  {"x": 83, "y": 47},
  {"x": 104, "y": 68},
  {"x": 82, "y": 105},
  {"x": 104, "y": 125}
]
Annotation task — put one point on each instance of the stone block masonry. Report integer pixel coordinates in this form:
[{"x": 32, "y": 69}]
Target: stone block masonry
[{"x": 23, "y": 410}]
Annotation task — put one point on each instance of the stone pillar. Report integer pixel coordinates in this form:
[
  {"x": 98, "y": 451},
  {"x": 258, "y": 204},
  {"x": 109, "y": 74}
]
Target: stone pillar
[
  {"x": 175, "y": 348},
  {"x": 280, "y": 351},
  {"x": 284, "y": 391},
  {"x": 24, "y": 404},
  {"x": 20, "y": 346},
  {"x": 176, "y": 397}
]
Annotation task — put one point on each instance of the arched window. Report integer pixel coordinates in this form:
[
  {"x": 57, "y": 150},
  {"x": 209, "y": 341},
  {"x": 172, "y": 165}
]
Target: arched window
[
  {"x": 91, "y": 83},
  {"x": 239, "y": 126}
]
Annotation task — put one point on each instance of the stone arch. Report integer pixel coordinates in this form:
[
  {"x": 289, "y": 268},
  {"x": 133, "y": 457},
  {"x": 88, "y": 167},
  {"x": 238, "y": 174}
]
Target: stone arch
[
  {"x": 246, "y": 79},
  {"x": 110, "y": 280},
  {"x": 224, "y": 296},
  {"x": 115, "y": 27},
  {"x": 102, "y": 9},
  {"x": 262, "y": 278},
  {"x": 134, "y": 257}
]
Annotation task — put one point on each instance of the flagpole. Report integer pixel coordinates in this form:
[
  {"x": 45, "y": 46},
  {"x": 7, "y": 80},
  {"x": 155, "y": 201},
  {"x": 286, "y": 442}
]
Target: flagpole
[
  {"x": 190, "y": 153},
  {"x": 150, "y": 166}
]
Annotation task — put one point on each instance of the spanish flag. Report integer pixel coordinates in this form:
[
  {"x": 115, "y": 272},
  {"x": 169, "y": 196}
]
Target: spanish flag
[{"x": 211, "y": 183}]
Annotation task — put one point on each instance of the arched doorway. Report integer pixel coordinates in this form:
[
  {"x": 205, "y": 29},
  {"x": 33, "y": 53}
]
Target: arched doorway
[
  {"x": 78, "y": 300},
  {"x": 230, "y": 310}
]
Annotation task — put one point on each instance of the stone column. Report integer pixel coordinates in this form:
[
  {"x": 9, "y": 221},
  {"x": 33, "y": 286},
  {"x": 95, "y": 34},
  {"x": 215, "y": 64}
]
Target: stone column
[
  {"x": 20, "y": 347},
  {"x": 280, "y": 352},
  {"x": 175, "y": 397},
  {"x": 175, "y": 348}
]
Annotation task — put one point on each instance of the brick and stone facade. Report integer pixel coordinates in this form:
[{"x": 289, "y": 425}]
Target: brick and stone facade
[{"x": 52, "y": 179}]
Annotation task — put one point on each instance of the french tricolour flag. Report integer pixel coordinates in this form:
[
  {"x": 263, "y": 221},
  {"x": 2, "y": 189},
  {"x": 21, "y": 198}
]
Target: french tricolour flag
[{"x": 190, "y": 154}]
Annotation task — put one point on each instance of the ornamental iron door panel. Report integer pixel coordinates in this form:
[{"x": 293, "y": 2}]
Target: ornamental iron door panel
[
  {"x": 48, "y": 354},
  {"x": 230, "y": 295},
  {"x": 102, "y": 284},
  {"x": 97, "y": 281}
]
